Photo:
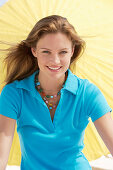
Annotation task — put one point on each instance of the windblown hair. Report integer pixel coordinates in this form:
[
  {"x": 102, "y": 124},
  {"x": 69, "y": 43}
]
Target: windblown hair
[{"x": 20, "y": 62}]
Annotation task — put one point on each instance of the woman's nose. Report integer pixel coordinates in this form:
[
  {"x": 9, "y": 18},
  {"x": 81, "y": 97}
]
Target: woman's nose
[{"x": 55, "y": 59}]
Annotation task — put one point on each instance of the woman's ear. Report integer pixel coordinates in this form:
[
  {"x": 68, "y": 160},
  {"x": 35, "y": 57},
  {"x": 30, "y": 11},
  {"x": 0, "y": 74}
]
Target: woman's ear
[{"x": 33, "y": 50}]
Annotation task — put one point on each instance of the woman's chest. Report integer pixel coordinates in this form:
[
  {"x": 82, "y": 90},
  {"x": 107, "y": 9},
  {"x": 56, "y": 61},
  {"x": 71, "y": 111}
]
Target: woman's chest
[
  {"x": 52, "y": 113},
  {"x": 35, "y": 114}
]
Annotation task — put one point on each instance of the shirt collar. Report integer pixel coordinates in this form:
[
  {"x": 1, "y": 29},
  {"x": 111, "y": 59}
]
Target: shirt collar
[{"x": 71, "y": 83}]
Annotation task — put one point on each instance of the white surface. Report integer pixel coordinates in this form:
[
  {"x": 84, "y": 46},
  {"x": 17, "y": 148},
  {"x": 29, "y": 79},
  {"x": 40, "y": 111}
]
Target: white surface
[
  {"x": 13, "y": 168},
  {"x": 103, "y": 163}
]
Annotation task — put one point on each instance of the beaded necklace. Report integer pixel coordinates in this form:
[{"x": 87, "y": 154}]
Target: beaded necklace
[{"x": 50, "y": 103}]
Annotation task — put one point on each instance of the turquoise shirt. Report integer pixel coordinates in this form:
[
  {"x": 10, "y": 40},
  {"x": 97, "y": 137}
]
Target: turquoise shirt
[{"x": 57, "y": 144}]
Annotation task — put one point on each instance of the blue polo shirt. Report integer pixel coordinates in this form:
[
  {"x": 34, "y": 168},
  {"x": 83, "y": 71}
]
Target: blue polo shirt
[{"x": 57, "y": 144}]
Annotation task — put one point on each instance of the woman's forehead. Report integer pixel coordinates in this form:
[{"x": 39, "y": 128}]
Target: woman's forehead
[{"x": 54, "y": 40}]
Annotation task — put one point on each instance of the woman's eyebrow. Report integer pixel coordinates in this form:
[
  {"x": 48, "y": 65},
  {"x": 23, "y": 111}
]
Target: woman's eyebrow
[{"x": 60, "y": 49}]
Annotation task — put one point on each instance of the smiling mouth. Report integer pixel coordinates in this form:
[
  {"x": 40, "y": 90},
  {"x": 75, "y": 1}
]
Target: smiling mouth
[{"x": 54, "y": 69}]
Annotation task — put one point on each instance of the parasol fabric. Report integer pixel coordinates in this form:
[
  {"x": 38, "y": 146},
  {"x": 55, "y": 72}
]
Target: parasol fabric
[{"x": 93, "y": 20}]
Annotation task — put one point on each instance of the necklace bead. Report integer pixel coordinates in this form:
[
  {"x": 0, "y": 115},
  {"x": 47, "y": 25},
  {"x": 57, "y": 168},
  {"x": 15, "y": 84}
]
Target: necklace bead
[
  {"x": 51, "y": 104},
  {"x": 51, "y": 97}
]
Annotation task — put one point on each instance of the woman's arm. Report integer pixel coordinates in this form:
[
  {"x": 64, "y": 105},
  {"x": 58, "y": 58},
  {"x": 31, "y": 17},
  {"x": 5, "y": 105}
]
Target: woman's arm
[
  {"x": 7, "y": 128},
  {"x": 104, "y": 126}
]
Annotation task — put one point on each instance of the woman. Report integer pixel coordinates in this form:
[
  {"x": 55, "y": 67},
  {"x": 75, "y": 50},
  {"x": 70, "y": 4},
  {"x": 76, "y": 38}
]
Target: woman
[{"x": 50, "y": 105}]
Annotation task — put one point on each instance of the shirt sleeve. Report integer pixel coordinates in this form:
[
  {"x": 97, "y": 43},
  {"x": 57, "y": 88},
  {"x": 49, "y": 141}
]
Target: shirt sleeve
[
  {"x": 10, "y": 101},
  {"x": 95, "y": 103}
]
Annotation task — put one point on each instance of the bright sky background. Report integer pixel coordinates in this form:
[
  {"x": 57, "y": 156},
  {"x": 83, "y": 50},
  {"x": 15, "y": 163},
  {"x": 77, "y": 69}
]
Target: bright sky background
[{"x": 2, "y": 2}]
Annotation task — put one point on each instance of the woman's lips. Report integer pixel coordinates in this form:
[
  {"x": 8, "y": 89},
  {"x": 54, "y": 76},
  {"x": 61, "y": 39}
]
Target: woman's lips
[{"x": 54, "y": 69}]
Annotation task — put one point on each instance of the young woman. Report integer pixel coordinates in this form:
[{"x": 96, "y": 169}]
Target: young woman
[{"x": 50, "y": 104}]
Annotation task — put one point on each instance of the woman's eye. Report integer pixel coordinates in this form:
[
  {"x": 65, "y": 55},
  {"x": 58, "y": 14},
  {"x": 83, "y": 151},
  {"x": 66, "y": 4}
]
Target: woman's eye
[
  {"x": 45, "y": 51},
  {"x": 63, "y": 52}
]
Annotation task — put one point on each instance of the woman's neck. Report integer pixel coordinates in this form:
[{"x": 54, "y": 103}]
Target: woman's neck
[{"x": 50, "y": 85}]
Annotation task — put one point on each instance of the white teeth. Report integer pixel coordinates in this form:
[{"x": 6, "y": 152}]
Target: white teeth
[{"x": 54, "y": 68}]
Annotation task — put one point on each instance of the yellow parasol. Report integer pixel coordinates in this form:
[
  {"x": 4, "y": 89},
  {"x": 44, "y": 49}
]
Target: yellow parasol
[{"x": 93, "y": 21}]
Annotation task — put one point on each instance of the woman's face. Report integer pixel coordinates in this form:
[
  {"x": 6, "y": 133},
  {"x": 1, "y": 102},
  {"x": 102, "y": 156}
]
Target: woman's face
[{"x": 53, "y": 53}]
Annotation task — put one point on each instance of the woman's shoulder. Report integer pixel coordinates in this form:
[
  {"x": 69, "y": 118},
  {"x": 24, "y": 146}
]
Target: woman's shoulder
[
  {"x": 10, "y": 101},
  {"x": 85, "y": 84},
  {"x": 82, "y": 81},
  {"x": 9, "y": 86},
  {"x": 10, "y": 90},
  {"x": 25, "y": 83}
]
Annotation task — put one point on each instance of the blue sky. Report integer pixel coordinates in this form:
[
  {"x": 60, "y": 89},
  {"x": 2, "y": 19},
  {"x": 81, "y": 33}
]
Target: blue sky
[{"x": 2, "y": 2}]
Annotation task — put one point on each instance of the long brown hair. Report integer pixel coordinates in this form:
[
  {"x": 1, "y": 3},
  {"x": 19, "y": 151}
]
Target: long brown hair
[{"x": 20, "y": 62}]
